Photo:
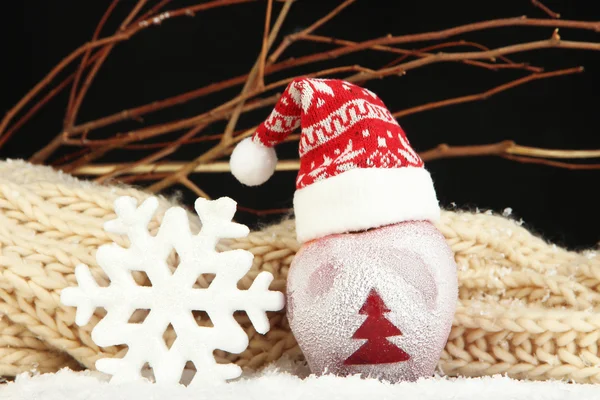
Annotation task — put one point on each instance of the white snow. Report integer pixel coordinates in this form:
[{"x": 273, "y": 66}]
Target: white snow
[{"x": 282, "y": 384}]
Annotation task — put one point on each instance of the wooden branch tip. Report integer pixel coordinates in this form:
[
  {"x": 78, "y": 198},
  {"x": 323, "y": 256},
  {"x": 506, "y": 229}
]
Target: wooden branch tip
[{"x": 544, "y": 8}]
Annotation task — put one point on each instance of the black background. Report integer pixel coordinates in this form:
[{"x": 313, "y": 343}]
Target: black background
[{"x": 186, "y": 53}]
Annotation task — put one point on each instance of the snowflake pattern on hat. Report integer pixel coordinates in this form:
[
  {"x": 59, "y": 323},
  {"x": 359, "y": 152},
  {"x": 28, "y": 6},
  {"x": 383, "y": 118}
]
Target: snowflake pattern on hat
[{"x": 331, "y": 112}]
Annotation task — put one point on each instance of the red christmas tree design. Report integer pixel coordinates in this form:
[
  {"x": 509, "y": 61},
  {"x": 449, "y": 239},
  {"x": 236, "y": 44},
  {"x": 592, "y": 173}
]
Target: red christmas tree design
[{"x": 376, "y": 328}]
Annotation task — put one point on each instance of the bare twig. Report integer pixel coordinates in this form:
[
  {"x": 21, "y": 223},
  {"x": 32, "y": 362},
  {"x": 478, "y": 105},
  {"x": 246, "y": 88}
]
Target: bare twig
[
  {"x": 508, "y": 63},
  {"x": 439, "y": 35},
  {"x": 507, "y": 149},
  {"x": 125, "y": 35},
  {"x": 162, "y": 153},
  {"x": 44, "y": 82},
  {"x": 362, "y": 76},
  {"x": 84, "y": 62},
  {"x": 443, "y": 57},
  {"x": 487, "y": 94},
  {"x": 551, "y": 163},
  {"x": 153, "y": 10},
  {"x": 261, "y": 213},
  {"x": 541, "y": 6},
  {"x": 73, "y": 111},
  {"x": 255, "y": 93},
  {"x": 193, "y": 187},
  {"x": 318, "y": 23},
  {"x": 217, "y": 114},
  {"x": 424, "y": 52},
  {"x": 136, "y": 112},
  {"x": 226, "y": 141},
  {"x": 265, "y": 49},
  {"x": 154, "y": 106},
  {"x": 188, "y": 168},
  {"x": 252, "y": 76}
]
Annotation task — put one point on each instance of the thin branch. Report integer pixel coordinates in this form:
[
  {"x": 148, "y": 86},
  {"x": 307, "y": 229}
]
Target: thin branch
[
  {"x": 219, "y": 113},
  {"x": 289, "y": 39},
  {"x": 551, "y": 163},
  {"x": 264, "y": 49},
  {"x": 249, "y": 86},
  {"x": 291, "y": 63},
  {"x": 32, "y": 111},
  {"x": 487, "y": 94},
  {"x": 170, "y": 167},
  {"x": 164, "y": 152},
  {"x": 70, "y": 156},
  {"x": 210, "y": 155},
  {"x": 151, "y": 131},
  {"x": 48, "y": 78},
  {"x": 121, "y": 141},
  {"x": 153, "y": 168},
  {"x": 138, "y": 111},
  {"x": 262, "y": 213},
  {"x": 160, "y": 145},
  {"x": 507, "y": 149},
  {"x": 135, "y": 11},
  {"x": 549, "y": 153},
  {"x": 73, "y": 110},
  {"x": 508, "y": 63},
  {"x": 203, "y": 138},
  {"x": 424, "y": 52},
  {"x": 189, "y": 11},
  {"x": 193, "y": 187},
  {"x": 85, "y": 58},
  {"x": 187, "y": 168},
  {"x": 366, "y": 75},
  {"x": 545, "y": 9},
  {"x": 225, "y": 140},
  {"x": 438, "y": 35},
  {"x": 152, "y": 11},
  {"x": 101, "y": 42},
  {"x": 42, "y": 154},
  {"x": 444, "y": 57}
]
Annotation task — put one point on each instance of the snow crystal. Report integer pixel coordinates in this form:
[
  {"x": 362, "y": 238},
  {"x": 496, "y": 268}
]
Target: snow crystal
[
  {"x": 172, "y": 297},
  {"x": 507, "y": 212}
]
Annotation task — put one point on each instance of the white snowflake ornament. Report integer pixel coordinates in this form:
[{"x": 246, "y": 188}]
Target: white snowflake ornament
[{"x": 172, "y": 297}]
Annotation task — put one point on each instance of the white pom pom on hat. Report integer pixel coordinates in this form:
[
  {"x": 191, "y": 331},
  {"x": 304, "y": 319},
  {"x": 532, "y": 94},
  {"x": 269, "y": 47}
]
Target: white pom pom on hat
[{"x": 252, "y": 163}]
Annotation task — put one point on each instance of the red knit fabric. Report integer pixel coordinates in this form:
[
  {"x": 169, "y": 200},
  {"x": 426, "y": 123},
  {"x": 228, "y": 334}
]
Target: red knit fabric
[{"x": 343, "y": 127}]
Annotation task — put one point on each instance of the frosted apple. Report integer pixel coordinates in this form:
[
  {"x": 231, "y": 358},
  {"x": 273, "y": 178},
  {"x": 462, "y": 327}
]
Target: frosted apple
[{"x": 378, "y": 303}]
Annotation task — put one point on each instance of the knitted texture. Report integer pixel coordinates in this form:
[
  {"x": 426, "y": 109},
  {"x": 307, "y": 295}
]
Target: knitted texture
[
  {"x": 335, "y": 116},
  {"x": 526, "y": 308},
  {"x": 357, "y": 168}
]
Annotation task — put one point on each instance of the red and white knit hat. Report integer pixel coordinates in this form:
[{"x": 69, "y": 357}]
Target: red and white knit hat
[{"x": 357, "y": 168}]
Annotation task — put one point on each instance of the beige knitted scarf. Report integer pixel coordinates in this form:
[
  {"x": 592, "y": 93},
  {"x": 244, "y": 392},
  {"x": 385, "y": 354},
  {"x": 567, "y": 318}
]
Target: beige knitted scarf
[{"x": 526, "y": 308}]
